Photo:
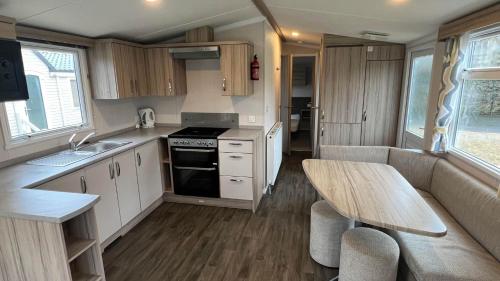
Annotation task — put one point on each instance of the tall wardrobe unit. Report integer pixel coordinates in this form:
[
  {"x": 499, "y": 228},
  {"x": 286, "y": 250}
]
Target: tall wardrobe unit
[{"x": 360, "y": 93}]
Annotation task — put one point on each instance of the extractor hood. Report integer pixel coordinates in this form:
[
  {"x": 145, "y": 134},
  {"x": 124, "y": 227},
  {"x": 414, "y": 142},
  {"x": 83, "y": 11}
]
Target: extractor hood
[{"x": 195, "y": 53}]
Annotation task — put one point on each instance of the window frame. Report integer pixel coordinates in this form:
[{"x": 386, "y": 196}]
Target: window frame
[
  {"x": 485, "y": 73},
  {"x": 83, "y": 83}
]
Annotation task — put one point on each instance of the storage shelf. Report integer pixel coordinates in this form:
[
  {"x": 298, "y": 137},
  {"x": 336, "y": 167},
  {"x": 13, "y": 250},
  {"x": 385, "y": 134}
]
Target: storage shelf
[
  {"x": 77, "y": 246},
  {"x": 86, "y": 277}
]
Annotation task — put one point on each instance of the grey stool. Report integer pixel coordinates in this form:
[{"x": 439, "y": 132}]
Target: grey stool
[
  {"x": 327, "y": 227},
  {"x": 368, "y": 254}
]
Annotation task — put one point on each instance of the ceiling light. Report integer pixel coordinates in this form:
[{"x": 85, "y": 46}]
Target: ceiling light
[
  {"x": 398, "y": 2},
  {"x": 295, "y": 34},
  {"x": 151, "y": 1}
]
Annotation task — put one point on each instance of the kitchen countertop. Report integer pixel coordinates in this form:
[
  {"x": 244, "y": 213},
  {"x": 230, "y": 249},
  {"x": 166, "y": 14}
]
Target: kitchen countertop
[
  {"x": 28, "y": 176},
  {"x": 17, "y": 200},
  {"x": 241, "y": 134},
  {"x": 43, "y": 205}
]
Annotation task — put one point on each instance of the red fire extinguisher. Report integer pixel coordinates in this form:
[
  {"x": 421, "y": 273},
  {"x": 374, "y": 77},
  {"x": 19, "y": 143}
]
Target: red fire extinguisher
[{"x": 254, "y": 66}]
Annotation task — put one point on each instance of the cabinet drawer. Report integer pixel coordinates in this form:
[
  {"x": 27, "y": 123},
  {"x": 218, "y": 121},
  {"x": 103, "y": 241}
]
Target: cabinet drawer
[
  {"x": 236, "y": 187},
  {"x": 235, "y": 146},
  {"x": 235, "y": 164}
]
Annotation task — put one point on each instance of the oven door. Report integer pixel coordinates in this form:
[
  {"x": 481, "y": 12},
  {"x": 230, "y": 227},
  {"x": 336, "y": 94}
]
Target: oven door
[{"x": 195, "y": 171}]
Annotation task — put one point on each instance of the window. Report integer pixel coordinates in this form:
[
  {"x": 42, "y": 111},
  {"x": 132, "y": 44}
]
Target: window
[
  {"x": 477, "y": 128},
  {"x": 56, "y": 98},
  {"x": 418, "y": 92}
]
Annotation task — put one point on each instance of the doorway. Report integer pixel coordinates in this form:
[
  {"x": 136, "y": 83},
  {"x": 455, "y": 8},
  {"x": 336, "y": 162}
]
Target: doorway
[{"x": 299, "y": 100}]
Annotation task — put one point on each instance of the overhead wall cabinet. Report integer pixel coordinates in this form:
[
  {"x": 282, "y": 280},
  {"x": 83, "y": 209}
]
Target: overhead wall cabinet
[
  {"x": 166, "y": 76},
  {"x": 117, "y": 70},
  {"x": 360, "y": 93},
  {"x": 235, "y": 67}
]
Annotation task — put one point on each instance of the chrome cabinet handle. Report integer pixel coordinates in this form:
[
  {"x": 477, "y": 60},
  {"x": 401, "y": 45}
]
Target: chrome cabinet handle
[
  {"x": 111, "y": 171},
  {"x": 364, "y": 115},
  {"x": 236, "y": 143},
  {"x": 236, "y": 180},
  {"x": 235, "y": 156},
  {"x": 139, "y": 160},
  {"x": 224, "y": 84},
  {"x": 170, "y": 86},
  {"x": 194, "y": 168},
  {"x": 118, "y": 170},
  {"x": 322, "y": 131},
  {"x": 83, "y": 184},
  {"x": 323, "y": 114}
]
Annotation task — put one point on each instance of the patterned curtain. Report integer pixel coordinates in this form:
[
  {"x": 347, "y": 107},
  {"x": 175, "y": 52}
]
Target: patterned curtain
[{"x": 448, "y": 92}]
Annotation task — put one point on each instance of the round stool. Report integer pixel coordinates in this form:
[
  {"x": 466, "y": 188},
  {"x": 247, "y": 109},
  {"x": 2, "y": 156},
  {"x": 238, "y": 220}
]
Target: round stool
[
  {"x": 327, "y": 227},
  {"x": 368, "y": 254}
]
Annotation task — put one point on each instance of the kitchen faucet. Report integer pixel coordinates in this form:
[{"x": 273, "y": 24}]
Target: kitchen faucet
[{"x": 74, "y": 146}]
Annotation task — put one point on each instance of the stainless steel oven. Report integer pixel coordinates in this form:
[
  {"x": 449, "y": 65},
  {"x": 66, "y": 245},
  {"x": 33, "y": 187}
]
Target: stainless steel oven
[{"x": 195, "y": 168}]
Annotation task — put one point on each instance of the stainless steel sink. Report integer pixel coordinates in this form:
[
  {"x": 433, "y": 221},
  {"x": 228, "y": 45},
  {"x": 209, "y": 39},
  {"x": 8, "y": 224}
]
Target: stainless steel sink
[{"x": 68, "y": 157}]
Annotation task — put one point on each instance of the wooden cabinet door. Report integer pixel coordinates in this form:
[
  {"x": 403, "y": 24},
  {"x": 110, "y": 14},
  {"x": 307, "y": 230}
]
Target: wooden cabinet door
[
  {"x": 100, "y": 181},
  {"x": 126, "y": 186},
  {"x": 235, "y": 68},
  {"x": 148, "y": 173},
  {"x": 382, "y": 94},
  {"x": 158, "y": 73},
  {"x": 343, "y": 87},
  {"x": 68, "y": 183},
  {"x": 340, "y": 134},
  {"x": 140, "y": 82},
  {"x": 123, "y": 61}
]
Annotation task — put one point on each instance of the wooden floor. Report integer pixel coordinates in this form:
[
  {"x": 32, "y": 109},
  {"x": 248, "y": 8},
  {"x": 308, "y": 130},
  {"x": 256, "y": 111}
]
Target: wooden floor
[{"x": 187, "y": 242}]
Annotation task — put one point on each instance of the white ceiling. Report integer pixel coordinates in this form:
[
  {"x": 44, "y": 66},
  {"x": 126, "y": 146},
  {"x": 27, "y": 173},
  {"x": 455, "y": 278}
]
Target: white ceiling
[
  {"x": 406, "y": 21},
  {"x": 142, "y": 21}
]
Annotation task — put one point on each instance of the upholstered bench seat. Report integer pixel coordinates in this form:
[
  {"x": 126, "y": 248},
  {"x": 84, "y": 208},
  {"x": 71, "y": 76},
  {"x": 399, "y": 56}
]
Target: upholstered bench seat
[{"x": 456, "y": 256}]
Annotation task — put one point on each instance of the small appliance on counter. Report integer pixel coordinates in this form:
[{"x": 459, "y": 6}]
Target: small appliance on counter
[{"x": 147, "y": 118}]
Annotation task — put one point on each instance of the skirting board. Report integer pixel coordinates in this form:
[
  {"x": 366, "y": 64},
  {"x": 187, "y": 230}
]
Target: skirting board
[
  {"x": 216, "y": 202},
  {"x": 131, "y": 223}
]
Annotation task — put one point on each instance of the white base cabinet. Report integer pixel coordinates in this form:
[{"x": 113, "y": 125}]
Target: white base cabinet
[
  {"x": 236, "y": 162},
  {"x": 99, "y": 181},
  {"x": 149, "y": 173},
  {"x": 236, "y": 187},
  {"x": 128, "y": 183}
]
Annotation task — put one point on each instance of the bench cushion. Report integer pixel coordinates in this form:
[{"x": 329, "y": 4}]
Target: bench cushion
[
  {"x": 373, "y": 154},
  {"x": 456, "y": 256},
  {"x": 415, "y": 166},
  {"x": 473, "y": 204}
]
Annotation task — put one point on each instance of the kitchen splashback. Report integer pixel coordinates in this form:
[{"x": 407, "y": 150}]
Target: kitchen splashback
[{"x": 220, "y": 120}]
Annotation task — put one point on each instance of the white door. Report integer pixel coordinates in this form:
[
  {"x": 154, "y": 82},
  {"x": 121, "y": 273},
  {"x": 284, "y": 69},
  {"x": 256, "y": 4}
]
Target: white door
[
  {"x": 68, "y": 183},
  {"x": 126, "y": 186},
  {"x": 417, "y": 91},
  {"x": 148, "y": 173},
  {"x": 100, "y": 180}
]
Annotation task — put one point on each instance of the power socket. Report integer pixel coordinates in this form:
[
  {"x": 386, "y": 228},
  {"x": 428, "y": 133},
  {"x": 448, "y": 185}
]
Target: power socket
[{"x": 251, "y": 119}]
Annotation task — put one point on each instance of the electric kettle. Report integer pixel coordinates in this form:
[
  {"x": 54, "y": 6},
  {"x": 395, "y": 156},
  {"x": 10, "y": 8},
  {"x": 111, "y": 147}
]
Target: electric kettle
[{"x": 147, "y": 117}]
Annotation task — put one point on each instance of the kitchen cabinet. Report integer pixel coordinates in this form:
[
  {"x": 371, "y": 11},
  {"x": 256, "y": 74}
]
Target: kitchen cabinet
[
  {"x": 100, "y": 181},
  {"x": 149, "y": 173},
  {"x": 235, "y": 67},
  {"x": 166, "y": 76},
  {"x": 236, "y": 161},
  {"x": 127, "y": 189},
  {"x": 73, "y": 182},
  {"x": 117, "y": 70}
]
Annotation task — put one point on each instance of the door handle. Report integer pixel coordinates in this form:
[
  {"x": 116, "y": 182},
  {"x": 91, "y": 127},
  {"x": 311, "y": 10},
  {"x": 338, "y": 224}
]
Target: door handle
[
  {"x": 83, "y": 184},
  {"x": 139, "y": 160},
  {"x": 111, "y": 171},
  {"x": 118, "y": 170},
  {"x": 194, "y": 168},
  {"x": 193, "y": 150}
]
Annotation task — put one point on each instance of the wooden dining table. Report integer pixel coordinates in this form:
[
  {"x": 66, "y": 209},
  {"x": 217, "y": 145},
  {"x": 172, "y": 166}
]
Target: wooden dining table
[{"x": 373, "y": 193}]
